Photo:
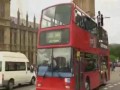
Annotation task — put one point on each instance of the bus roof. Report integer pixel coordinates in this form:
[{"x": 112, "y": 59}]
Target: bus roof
[
  {"x": 77, "y": 7},
  {"x": 86, "y": 14},
  {"x": 72, "y": 3}
]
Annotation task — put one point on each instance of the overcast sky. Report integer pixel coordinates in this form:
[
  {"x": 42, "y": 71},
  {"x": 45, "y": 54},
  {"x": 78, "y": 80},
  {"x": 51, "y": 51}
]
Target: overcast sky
[{"x": 109, "y": 8}]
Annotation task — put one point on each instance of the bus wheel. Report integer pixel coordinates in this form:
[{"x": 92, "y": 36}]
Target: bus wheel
[
  {"x": 105, "y": 80},
  {"x": 10, "y": 85},
  {"x": 87, "y": 85},
  {"x": 98, "y": 88}
]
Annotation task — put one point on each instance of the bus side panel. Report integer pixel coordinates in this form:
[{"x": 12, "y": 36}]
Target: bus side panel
[
  {"x": 80, "y": 38},
  {"x": 94, "y": 78}
]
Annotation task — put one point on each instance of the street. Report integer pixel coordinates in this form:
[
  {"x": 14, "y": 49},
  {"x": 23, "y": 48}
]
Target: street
[
  {"x": 113, "y": 84},
  {"x": 26, "y": 87}
]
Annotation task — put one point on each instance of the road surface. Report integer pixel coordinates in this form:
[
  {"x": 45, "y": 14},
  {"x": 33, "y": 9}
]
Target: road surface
[
  {"x": 25, "y": 87},
  {"x": 113, "y": 84}
]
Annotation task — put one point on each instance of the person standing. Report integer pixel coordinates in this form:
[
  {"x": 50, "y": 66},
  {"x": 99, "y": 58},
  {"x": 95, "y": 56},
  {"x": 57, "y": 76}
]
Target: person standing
[
  {"x": 99, "y": 19},
  {"x": 113, "y": 66}
]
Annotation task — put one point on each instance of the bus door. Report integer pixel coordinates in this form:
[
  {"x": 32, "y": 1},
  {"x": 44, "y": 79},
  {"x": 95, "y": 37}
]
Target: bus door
[
  {"x": 92, "y": 73},
  {"x": 78, "y": 71},
  {"x": 104, "y": 68}
]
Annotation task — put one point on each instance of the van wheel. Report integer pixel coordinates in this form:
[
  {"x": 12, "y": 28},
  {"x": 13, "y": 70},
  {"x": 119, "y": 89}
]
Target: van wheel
[
  {"x": 10, "y": 85},
  {"x": 32, "y": 81},
  {"x": 87, "y": 85}
]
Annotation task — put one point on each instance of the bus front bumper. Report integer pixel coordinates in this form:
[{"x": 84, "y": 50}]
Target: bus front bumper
[{"x": 38, "y": 88}]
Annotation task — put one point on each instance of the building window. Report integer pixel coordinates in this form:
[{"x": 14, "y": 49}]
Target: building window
[
  {"x": 11, "y": 36},
  {"x": 1, "y": 35},
  {"x": 15, "y": 37},
  {"x": 22, "y": 38},
  {"x": 30, "y": 39},
  {"x": 2, "y": 9},
  {"x": 30, "y": 56}
]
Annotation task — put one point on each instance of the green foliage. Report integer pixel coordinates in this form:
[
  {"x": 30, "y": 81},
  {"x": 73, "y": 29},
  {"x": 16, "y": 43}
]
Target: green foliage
[
  {"x": 114, "y": 51},
  {"x": 112, "y": 58}
]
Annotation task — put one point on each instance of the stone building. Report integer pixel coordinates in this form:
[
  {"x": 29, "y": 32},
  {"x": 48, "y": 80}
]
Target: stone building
[
  {"x": 5, "y": 25},
  {"x": 87, "y": 5},
  {"x": 16, "y": 34},
  {"x": 23, "y": 36}
]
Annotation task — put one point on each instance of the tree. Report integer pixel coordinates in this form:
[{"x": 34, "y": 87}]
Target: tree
[
  {"x": 114, "y": 51},
  {"x": 113, "y": 58}
]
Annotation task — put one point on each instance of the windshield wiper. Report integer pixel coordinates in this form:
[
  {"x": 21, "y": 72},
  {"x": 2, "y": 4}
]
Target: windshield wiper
[
  {"x": 45, "y": 73},
  {"x": 44, "y": 68},
  {"x": 59, "y": 75}
]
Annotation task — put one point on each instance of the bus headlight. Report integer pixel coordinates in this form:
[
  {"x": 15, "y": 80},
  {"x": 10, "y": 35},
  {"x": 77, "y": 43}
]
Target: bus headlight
[
  {"x": 39, "y": 84},
  {"x": 67, "y": 83},
  {"x": 67, "y": 87},
  {"x": 67, "y": 80}
]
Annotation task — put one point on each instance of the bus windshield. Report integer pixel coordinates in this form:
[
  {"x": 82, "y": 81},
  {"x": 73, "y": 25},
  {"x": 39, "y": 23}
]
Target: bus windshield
[
  {"x": 54, "y": 62},
  {"x": 0, "y": 66},
  {"x": 56, "y": 15}
]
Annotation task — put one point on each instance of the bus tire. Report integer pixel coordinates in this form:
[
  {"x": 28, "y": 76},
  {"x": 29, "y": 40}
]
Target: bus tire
[
  {"x": 105, "y": 79},
  {"x": 10, "y": 85},
  {"x": 87, "y": 85},
  {"x": 98, "y": 88}
]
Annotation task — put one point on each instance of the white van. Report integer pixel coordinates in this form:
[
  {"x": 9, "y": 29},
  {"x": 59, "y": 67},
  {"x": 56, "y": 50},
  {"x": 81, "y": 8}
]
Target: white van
[{"x": 14, "y": 70}]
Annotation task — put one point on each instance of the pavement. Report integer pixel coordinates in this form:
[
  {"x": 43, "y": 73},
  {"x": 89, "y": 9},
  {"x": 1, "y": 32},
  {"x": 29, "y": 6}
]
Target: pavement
[
  {"x": 115, "y": 75},
  {"x": 26, "y": 87},
  {"x": 114, "y": 83}
]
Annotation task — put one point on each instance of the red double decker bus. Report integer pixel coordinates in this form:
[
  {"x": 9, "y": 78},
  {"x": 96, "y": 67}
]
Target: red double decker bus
[{"x": 72, "y": 52}]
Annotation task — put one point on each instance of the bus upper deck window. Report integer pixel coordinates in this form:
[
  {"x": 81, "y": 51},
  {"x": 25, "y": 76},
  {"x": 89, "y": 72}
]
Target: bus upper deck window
[{"x": 56, "y": 15}]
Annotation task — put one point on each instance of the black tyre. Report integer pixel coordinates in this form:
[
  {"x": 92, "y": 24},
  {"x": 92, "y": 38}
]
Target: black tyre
[
  {"x": 10, "y": 85},
  {"x": 87, "y": 85},
  {"x": 105, "y": 80},
  {"x": 32, "y": 81},
  {"x": 98, "y": 88}
]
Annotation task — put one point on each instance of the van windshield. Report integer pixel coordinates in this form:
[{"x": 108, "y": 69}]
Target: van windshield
[{"x": 0, "y": 66}]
